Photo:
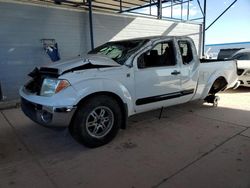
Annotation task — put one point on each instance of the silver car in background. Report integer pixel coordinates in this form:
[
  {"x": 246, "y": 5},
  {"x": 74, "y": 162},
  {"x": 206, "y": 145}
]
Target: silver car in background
[{"x": 243, "y": 62}]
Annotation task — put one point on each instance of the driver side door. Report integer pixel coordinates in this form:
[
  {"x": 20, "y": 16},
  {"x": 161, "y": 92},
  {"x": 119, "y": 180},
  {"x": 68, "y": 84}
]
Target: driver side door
[{"x": 157, "y": 77}]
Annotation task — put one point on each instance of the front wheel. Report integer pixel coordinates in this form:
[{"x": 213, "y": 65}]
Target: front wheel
[{"x": 97, "y": 121}]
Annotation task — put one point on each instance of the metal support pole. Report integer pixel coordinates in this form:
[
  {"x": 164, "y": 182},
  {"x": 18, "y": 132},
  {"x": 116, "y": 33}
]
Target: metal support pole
[
  {"x": 150, "y": 11},
  {"x": 204, "y": 26},
  {"x": 200, "y": 7},
  {"x": 144, "y": 6},
  {"x": 91, "y": 24},
  {"x": 159, "y": 12},
  {"x": 175, "y": 4},
  {"x": 171, "y": 8},
  {"x": 181, "y": 8},
  {"x": 201, "y": 18},
  {"x": 221, "y": 14},
  {"x": 188, "y": 11},
  {"x": 120, "y": 5}
]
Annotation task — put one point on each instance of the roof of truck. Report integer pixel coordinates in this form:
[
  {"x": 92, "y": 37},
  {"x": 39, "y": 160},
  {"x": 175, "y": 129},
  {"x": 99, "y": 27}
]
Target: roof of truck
[{"x": 155, "y": 37}]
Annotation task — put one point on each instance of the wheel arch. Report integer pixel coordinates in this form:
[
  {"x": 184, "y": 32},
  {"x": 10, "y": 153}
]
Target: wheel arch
[
  {"x": 219, "y": 84},
  {"x": 123, "y": 106},
  {"x": 215, "y": 78}
]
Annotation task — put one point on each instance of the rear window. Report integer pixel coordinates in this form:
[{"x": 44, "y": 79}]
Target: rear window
[{"x": 186, "y": 51}]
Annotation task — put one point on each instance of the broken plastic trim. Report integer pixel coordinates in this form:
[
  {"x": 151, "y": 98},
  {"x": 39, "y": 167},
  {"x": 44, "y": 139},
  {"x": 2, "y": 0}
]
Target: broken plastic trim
[{"x": 44, "y": 71}]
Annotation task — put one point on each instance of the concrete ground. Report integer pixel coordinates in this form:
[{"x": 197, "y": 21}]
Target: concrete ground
[{"x": 191, "y": 146}]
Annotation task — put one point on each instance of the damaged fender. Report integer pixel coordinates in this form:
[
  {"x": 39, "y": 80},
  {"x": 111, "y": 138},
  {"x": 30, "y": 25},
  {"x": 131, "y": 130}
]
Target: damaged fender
[{"x": 94, "y": 85}]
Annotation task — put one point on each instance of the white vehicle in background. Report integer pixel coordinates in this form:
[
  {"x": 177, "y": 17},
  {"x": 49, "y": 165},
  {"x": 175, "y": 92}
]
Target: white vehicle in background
[
  {"x": 243, "y": 62},
  {"x": 95, "y": 95}
]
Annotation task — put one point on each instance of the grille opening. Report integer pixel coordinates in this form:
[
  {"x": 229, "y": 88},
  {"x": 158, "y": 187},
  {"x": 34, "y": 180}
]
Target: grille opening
[{"x": 34, "y": 86}]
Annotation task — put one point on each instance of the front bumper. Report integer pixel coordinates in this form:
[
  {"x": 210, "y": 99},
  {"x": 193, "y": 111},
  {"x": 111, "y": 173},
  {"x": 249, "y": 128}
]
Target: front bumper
[{"x": 48, "y": 116}]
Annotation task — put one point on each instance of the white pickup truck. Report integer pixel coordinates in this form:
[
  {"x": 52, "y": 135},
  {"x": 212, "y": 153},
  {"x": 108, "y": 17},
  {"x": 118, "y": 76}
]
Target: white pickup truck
[{"x": 95, "y": 95}]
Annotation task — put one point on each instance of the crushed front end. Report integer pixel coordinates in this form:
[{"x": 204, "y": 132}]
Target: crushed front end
[{"x": 43, "y": 101}]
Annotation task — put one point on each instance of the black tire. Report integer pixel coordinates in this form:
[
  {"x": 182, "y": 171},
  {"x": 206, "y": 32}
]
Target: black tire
[{"x": 84, "y": 121}]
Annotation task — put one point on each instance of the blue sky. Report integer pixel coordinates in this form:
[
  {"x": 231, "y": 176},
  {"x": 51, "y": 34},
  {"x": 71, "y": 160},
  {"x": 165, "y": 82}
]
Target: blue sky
[{"x": 233, "y": 26}]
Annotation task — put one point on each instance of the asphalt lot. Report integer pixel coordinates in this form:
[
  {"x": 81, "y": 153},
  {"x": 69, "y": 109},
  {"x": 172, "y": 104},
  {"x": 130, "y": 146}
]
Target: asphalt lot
[{"x": 193, "y": 145}]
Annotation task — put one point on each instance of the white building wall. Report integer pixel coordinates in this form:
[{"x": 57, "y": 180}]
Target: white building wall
[
  {"x": 118, "y": 27},
  {"x": 23, "y": 25}
]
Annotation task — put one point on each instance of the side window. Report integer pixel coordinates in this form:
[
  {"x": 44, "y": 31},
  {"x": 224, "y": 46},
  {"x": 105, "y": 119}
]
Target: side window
[
  {"x": 186, "y": 51},
  {"x": 244, "y": 56},
  {"x": 162, "y": 54}
]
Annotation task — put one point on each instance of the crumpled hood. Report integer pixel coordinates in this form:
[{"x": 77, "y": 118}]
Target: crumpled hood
[{"x": 79, "y": 63}]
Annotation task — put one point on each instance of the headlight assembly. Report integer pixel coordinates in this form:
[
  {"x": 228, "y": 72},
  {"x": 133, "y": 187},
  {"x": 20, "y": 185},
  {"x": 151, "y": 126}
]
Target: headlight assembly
[{"x": 53, "y": 86}]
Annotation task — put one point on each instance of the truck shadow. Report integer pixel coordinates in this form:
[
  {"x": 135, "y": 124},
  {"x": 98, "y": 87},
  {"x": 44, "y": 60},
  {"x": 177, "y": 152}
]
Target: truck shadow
[
  {"x": 238, "y": 90},
  {"x": 21, "y": 139}
]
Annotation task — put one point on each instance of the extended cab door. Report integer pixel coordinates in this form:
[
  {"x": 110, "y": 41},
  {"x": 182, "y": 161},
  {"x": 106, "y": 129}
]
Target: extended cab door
[
  {"x": 157, "y": 77},
  {"x": 189, "y": 68}
]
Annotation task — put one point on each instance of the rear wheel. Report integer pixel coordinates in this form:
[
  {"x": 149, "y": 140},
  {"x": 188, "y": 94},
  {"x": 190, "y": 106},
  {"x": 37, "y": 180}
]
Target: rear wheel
[{"x": 97, "y": 121}]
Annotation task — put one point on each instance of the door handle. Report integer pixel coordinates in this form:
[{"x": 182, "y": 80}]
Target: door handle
[{"x": 175, "y": 72}]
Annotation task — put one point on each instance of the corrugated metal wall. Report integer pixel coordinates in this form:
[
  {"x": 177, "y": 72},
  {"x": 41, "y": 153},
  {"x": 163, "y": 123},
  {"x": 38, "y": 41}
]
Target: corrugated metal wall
[{"x": 24, "y": 25}]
